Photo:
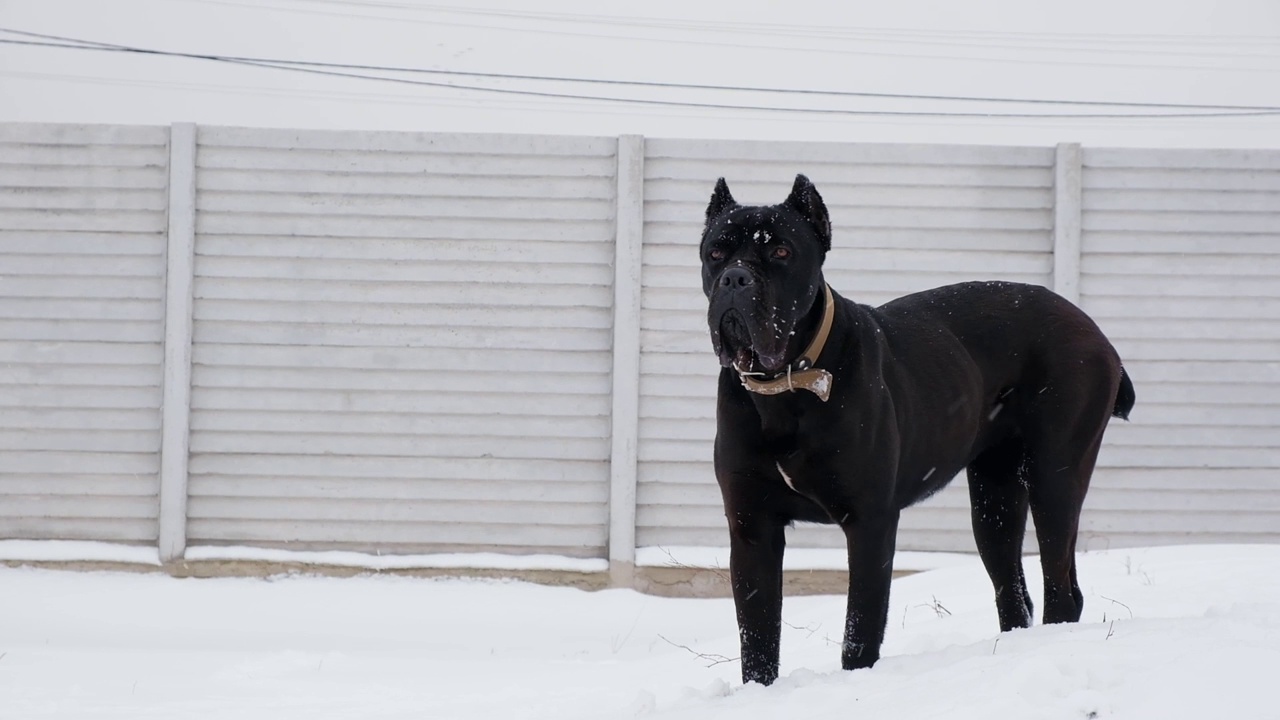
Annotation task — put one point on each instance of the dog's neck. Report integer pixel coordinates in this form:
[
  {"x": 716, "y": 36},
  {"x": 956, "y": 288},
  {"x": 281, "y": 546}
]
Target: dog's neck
[{"x": 801, "y": 373}]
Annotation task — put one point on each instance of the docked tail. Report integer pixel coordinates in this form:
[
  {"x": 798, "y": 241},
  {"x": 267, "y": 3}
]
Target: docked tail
[{"x": 1125, "y": 397}]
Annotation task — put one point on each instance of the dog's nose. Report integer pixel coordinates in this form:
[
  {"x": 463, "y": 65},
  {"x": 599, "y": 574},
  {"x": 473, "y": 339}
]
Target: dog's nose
[{"x": 736, "y": 277}]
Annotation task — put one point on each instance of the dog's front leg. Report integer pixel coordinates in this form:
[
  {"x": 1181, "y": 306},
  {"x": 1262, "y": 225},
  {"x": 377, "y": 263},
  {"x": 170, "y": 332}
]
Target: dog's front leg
[
  {"x": 871, "y": 545},
  {"x": 755, "y": 568}
]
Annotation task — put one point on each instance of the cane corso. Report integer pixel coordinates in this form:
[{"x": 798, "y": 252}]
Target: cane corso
[{"x": 835, "y": 412}]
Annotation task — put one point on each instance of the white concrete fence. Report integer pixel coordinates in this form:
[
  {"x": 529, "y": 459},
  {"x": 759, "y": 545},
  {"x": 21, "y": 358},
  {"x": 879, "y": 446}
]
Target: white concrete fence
[{"x": 405, "y": 343}]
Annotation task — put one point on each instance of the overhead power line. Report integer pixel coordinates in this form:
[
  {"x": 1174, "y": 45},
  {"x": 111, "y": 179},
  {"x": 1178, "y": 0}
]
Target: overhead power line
[
  {"x": 844, "y": 45},
  {"x": 774, "y": 29},
  {"x": 342, "y": 70},
  {"x": 642, "y": 83}
]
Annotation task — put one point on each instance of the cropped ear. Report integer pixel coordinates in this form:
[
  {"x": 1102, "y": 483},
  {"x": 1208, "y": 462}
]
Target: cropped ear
[
  {"x": 721, "y": 201},
  {"x": 804, "y": 199}
]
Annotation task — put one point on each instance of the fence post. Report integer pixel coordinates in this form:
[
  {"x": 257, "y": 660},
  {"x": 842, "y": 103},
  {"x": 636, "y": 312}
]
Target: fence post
[
  {"x": 1067, "y": 211},
  {"x": 176, "y": 389},
  {"x": 626, "y": 360}
]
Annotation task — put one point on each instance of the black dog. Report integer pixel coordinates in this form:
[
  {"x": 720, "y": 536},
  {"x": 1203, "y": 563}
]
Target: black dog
[{"x": 835, "y": 412}]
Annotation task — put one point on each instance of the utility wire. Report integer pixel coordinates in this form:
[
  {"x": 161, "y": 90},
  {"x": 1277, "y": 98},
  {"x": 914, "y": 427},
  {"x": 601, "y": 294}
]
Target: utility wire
[
  {"x": 705, "y": 41},
  {"x": 654, "y": 84},
  {"x": 819, "y": 31},
  {"x": 331, "y": 70}
]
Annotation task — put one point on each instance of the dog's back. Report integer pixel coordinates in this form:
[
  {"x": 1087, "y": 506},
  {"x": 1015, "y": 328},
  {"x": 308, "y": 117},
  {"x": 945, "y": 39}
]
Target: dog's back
[
  {"x": 1014, "y": 331},
  {"x": 1008, "y": 318},
  {"x": 978, "y": 363}
]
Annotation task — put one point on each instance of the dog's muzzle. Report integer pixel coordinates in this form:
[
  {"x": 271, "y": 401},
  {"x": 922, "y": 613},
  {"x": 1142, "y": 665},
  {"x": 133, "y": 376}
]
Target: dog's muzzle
[{"x": 800, "y": 373}]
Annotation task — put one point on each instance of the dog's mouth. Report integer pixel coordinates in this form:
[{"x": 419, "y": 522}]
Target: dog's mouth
[
  {"x": 739, "y": 348},
  {"x": 734, "y": 346}
]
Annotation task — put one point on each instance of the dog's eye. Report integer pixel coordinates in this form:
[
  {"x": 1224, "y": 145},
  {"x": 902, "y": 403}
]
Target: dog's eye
[
  {"x": 716, "y": 254},
  {"x": 781, "y": 253}
]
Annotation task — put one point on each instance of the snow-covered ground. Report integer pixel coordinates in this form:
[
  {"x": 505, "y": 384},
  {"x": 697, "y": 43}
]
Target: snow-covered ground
[{"x": 1186, "y": 632}]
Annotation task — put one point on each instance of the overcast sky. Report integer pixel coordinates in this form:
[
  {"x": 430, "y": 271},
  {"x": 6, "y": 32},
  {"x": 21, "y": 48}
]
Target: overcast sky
[{"x": 1213, "y": 56}]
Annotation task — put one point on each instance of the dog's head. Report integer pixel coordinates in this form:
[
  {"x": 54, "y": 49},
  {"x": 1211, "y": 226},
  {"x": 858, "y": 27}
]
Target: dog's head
[{"x": 762, "y": 273}]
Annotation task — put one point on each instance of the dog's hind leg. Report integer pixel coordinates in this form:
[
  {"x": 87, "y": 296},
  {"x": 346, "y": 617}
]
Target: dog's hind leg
[
  {"x": 998, "y": 498},
  {"x": 1062, "y": 455},
  {"x": 1057, "y": 493}
]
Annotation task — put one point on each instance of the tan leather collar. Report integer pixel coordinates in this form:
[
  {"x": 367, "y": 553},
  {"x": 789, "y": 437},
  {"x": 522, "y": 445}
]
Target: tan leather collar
[{"x": 800, "y": 374}]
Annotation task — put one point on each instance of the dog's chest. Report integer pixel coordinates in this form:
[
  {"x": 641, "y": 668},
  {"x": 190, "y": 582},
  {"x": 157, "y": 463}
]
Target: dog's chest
[
  {"x": 793, "y": 450},
  {"x": 805, "y": 489},
  {"x": 786, "y": 477},
  {"x": 799, "y": 470},
  {"x": 807, "y": 441}
]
